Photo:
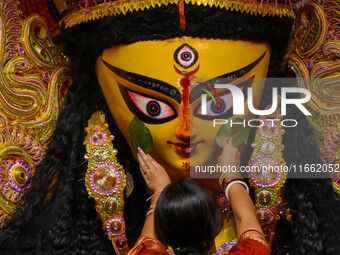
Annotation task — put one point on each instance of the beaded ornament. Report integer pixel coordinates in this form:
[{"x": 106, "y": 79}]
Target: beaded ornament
[
  {"x": 268, "y": 183},
  {"x": 105, "y": 180}
]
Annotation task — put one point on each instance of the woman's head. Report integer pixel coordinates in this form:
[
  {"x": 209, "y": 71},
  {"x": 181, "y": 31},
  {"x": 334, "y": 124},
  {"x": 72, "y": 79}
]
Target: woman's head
[{"x": 186, "y": 216}]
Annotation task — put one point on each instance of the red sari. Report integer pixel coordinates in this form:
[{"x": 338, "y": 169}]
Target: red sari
[{"x": 147, "y": 245}]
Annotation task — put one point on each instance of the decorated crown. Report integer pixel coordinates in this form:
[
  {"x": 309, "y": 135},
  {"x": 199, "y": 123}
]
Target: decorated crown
[{"x": 75, "y": 12}]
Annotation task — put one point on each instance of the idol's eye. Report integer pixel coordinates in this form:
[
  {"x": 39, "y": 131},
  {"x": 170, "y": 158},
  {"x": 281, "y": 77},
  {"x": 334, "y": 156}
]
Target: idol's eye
[
  {"x": 220, "y": 105},
  {"x": 216, "y": 107},
  {"x": 150, "y": 110},
  {"x": 153, "y": 108}
]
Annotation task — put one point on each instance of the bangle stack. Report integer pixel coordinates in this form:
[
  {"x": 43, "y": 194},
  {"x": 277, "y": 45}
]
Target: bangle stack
[
  {"x": 229, "y": 179},
  {"x": 153, "y": 196},
  {"x": 151, "y": 209}
]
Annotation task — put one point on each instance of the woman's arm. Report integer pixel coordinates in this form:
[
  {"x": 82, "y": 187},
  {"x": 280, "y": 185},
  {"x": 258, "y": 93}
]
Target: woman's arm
[
  {"x": 149, "y": 227},
  {"x": 241, "y": 204},
  {"x": 156, "y": 179},
  {"x": 243, "y": 210},
  {"x": 249, "y": 232}
]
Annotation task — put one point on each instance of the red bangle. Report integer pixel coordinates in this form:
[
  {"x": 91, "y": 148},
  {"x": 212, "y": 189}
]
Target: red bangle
[{"x": 226, "y": 181}]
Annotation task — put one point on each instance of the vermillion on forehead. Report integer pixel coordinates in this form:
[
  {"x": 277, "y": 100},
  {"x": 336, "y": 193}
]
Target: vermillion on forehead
[{"x": 185, "y": 82}]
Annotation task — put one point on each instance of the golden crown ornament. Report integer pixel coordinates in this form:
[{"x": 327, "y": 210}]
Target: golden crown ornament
[
  {"x": 314, "y": 54},
  {"x": 34, "y": 80},
  {"x": 75, "y": 12}
]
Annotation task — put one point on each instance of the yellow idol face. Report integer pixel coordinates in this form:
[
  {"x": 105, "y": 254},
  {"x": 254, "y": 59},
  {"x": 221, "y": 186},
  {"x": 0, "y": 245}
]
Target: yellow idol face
[{"x": 153, "y": 81}]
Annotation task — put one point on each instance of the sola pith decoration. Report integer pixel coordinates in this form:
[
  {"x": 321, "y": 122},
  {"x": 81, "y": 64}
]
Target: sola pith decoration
[
  {"x": 314, "y": 54},
  {"x": 34, "y": 79},
  {"x": 79, "y": 11}
]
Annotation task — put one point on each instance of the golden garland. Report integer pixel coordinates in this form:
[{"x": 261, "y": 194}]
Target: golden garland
[{"x": 268, "y": 183}]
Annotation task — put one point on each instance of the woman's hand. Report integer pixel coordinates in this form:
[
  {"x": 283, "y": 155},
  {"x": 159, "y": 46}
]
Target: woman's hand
[
  {"x": 230, "y": 155},
  {"x": 154, "y": 174}
]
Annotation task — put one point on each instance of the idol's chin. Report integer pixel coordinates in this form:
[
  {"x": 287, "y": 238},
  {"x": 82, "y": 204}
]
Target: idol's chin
[{"x": 177, "y": 172}]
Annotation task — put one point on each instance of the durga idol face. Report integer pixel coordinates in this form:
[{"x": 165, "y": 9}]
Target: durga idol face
[{"x": 154, "y": 81}]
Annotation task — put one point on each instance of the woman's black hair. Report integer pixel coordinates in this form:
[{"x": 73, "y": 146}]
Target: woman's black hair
[
  {"x": 187, "y": 218},
  {"x": 68, "y": 223}
]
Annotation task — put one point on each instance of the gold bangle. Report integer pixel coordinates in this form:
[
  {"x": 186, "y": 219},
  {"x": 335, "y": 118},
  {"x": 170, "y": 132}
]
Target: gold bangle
[
  {"x": 152, "y": 207},
  {"x": 149, "y": 212}
]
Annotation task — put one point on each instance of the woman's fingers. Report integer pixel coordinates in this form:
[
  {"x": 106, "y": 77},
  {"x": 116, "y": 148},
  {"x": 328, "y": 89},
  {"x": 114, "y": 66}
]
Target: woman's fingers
[
  {"x": 142, "y": 164},
  {"x": 154, "y": 174},
  {"x": 225, "y": 141},
  {"x": 231, "y": 141},
  {"x": 143, "y": 155},
  {"x": 230, "y": 154},
  {"x": 148, "y": 161},
  {"x": 228, "y": 141}
]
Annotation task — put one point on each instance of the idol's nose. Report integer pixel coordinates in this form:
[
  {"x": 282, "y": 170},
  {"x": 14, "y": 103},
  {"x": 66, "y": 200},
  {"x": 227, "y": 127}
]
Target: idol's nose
[{"x": 186, "y": 131}]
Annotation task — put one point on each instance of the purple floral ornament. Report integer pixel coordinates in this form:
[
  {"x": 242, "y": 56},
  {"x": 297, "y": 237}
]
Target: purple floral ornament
[
  {"x": 105, "y": 179},
  {"x": 265, "y": 215},
  {"x": 269, "y": 131},
  {"x": 225, "y": 248},
  {"x": 19, "y": 175},
  {"x": 268, "y": 175},
  {"x": 98, "y": 138},
  {"x": 121, "y": 242},
  {"x": 115, "y": 226}
]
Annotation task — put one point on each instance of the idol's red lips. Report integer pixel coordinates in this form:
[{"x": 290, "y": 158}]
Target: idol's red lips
[{"x": 185, "y": 149}]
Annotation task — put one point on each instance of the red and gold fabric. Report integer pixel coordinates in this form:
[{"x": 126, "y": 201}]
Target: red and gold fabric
[{"x": 251, "y": 243}]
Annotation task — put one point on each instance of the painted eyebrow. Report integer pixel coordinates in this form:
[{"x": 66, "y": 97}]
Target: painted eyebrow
[
  {"x": 196, "y": 92},
  {"x": 147, "y": 82}
]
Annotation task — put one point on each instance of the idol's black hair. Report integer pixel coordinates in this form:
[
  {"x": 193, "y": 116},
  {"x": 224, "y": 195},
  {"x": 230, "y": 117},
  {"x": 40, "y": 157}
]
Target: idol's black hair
[
  {"x": 67, "y": 223},
  {"x": 314, "y": 204},
  {"x": 187, "y": 218}
]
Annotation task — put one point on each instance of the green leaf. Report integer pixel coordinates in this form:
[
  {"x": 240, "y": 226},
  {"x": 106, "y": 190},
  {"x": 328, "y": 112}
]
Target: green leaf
[
  {"x": 239, "y": 133},
  {"x": 139, "y": 136}
]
